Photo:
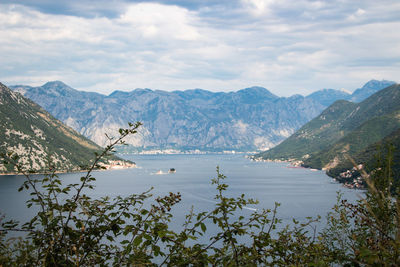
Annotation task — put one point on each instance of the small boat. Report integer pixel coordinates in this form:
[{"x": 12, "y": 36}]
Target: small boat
[
  {"x": 160, "y": 172},
  {"x": 172, "y": 170}
]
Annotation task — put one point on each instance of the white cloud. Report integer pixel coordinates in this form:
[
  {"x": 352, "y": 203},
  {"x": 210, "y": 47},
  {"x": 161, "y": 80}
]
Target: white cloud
[
  {"x": 154, "y": 20},
  {"x": 259, "y": 7},
  {"x": 357, "y": 15},
  {"x": 282, "y": 45}
]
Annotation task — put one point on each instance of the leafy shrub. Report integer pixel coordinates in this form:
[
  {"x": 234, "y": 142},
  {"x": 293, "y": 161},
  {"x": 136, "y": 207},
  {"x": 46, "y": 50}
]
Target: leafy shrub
[
  {"x": 72, "y": 229},
  {"x": 368, "y": 232}
]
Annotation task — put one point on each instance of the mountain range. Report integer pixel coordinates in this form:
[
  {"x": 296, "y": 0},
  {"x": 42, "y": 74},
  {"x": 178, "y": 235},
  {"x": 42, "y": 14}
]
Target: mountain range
[
  {"x": 38, "y": 139},
  {"x": 345, "y": 129},
  {"x": 246, "y": 120}
]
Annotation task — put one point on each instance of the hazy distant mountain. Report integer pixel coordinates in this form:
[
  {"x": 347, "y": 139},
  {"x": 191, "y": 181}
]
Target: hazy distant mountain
[
  {"x": 249, "y": 119},
  {"x": 344, "y": 128},
  {"x": 252, "y": 118},
  {"x": 327, "y": 97},
  {"x": 37, "y": 137},
  {"x": 368, "y": 89}
]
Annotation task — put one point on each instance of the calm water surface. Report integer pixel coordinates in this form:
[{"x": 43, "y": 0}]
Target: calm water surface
[{"x": 301, "y": 192}]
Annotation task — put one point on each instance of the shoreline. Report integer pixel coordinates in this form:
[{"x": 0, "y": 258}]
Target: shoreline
[
  {"x": 347, "y": 182},
  {"x": 109, "y": 167},
  {"x": 164, "y": 152}
]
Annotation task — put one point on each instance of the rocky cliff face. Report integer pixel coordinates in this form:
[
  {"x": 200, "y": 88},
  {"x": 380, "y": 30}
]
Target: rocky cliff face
[
  {"x": 249, "y": 119},
  {"x": 40, "y": 140}
]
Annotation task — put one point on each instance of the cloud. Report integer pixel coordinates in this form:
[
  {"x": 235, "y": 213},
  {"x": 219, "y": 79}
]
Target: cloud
[
  {"x": 287, "y": 46},
  {"x": 156, "y": 20},
  {"x": 259, "y": 7}
]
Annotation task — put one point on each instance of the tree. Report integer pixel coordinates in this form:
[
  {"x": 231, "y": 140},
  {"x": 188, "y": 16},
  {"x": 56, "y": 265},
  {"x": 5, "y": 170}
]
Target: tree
[
  {"x": 72, "y": 229},
  {"x": 368, "y": 232}
]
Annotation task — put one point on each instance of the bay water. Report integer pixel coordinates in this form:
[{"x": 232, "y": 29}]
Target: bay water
[{"x": 301, "y": 192}]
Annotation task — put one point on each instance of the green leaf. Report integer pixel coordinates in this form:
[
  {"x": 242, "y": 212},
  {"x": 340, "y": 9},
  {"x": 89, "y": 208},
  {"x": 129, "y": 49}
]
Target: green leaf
[
  {"x": 124, "y": 242},
  {"x": 203, "y": 227},
  {"x": 144, "y": 212},
  {"x": 137, "y": 241}
]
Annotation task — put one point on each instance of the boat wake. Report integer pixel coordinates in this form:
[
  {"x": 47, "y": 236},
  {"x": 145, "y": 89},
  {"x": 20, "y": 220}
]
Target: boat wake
[
  {"x": 160, "y": 172},
  {"x": 214, "y": 202}
]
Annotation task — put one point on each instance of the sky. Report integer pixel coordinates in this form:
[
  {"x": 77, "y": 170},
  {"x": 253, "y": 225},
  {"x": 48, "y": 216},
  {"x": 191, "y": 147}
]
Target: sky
[{"x": 289, "y": 47}]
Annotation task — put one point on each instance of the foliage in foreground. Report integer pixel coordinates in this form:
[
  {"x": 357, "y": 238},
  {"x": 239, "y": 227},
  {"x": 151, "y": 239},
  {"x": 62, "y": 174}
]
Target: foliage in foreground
[
  {"x": 368, "y": 232},
  {"x": 72, "y": 229}
]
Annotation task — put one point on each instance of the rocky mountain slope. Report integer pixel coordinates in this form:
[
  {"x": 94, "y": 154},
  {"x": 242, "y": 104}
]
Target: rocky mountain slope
[
  {"x": 343, "y": 129},
  {"x": 249, "y": 119},
  {"x": 30, "y": 132}
]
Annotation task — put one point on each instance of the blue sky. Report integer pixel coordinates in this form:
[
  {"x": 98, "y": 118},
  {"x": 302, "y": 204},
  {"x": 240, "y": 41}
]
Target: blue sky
[{"x": 286, "y": 46}]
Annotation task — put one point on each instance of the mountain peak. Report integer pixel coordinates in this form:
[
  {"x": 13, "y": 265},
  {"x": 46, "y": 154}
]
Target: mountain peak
[
  {"x": 59, "y": 88},
  {"x": 328, "y": 96},
  {"x": 55, "y": 84},
  {"x": 369, "y": 88},
  {"x": 375, "y": 83},
  {"x": 118, "y": 93},
  {"x": 256, "y": 93}
]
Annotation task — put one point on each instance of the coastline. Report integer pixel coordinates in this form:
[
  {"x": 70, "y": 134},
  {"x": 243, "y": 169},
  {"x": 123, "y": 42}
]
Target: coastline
[
  {"x": 347, "y": 178},
  {"x": 181, "y": 152},
  {"x": 115, "y": 165}
]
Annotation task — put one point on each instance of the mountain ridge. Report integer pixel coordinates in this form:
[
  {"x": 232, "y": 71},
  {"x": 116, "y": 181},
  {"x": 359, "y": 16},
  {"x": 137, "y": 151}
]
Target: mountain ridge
[
  {"x": 180, "y": 119},
  {"x": 246, "y": 120},
  {"x": 343, "y": 130}
]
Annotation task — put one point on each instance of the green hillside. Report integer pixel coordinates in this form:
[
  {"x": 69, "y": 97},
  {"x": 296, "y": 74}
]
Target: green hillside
[
  {"x": 368, "y": 156},
  {"x": 38, "y": 138},
  {"x": 342, "y": 129},
  {"x": 368, "y": 133},
  {"x": 315, "y": 135}
]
